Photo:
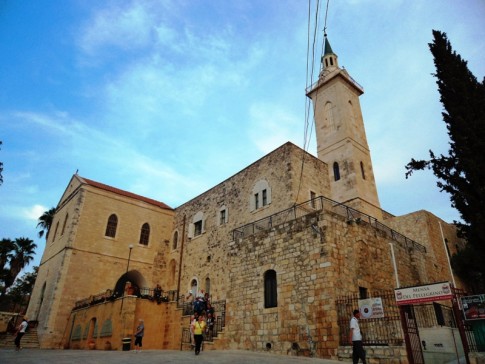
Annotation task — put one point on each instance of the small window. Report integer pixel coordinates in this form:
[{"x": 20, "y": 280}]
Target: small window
[
  {"x": 55, "y": 232},
  {"x": 313, "y": 196},
  {"x": 336, "y": 171},
  {"x": 362, "y": 170},
  {"x": 197, "y": 228},
  {"x": 270, "y": 289},
  {"x": 222, "y": 217},
  {"x": 64, "y": 225},
  {"x": 362, "y": 293},
  {"x": 145, "y": 234},
  {"x": 261, "y": 195},
  {"x": 111, "y": 226},
  {"x": 175, "y": 240}
]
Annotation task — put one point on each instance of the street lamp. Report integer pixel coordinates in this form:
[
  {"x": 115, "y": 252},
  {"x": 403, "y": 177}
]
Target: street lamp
[
  {"x": 129, "y": 256},
  {"x": 127, "y": 267}
]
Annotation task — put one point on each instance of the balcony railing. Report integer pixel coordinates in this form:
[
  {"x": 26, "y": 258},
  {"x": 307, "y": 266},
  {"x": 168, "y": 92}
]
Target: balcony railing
[{"x": 319, "y": 204}]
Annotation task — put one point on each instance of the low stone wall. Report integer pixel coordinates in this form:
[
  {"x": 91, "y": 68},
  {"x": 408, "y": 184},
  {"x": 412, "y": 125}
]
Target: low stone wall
[{"x": 377, "y": 354}]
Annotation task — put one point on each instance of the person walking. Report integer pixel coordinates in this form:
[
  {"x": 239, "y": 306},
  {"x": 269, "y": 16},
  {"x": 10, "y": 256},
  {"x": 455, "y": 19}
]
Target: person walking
[
  {"x": 140, "y": 331},
  {"x": 198, "y": 329},
  {"x": 21, "y": 332},
  {"x": 355, "y": 336}
]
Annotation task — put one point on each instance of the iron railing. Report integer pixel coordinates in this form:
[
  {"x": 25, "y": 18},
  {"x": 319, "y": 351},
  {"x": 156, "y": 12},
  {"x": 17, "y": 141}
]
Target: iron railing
[
  {"x": 318, "y": 204},
  {"x": 375, "y": 331},
  {"x": 109, "y": 296}
]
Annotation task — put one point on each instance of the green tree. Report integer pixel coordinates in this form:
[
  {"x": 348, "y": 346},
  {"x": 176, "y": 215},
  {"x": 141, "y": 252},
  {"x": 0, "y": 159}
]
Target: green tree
[
  {"x": 6, "y": 248},
  {"x": 23, "y": 253},
  {"x": 461, "y": 173},
  {"x": 45, "y": 222},
  {"x": 18, "y": 295}
]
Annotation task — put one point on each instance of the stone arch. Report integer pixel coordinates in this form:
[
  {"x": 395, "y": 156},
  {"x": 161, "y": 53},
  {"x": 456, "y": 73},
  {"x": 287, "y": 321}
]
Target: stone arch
[
  {"x": 134, "y": 277},
  {"x": 91, "y": 330}
]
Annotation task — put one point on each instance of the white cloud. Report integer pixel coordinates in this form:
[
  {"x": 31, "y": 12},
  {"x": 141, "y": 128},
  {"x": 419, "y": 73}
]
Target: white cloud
[
  {"x": 119, "y": 25},
  {"x": 34, "y": 212},
  {"x": 271, "y": 126}
]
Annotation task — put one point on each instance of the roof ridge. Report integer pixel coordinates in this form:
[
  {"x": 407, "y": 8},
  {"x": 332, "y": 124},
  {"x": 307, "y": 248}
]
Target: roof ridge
[{"x": 124, "y": 193}]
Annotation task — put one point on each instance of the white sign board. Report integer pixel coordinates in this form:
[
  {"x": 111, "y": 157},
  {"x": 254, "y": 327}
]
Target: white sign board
[
  {"x": 420, "y": 294},
  {"x": 371, "y": 308}
]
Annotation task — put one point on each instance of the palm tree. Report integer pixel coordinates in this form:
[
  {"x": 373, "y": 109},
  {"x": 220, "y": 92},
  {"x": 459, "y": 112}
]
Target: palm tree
[
  {"x": 45, "y": 222},
  {"x": 6, "y": 247},
  {"x": 22, "y": 255}
]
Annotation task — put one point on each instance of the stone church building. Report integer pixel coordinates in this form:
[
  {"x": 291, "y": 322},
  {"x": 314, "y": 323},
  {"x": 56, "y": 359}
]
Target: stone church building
[{"x": 274, "y": 245}]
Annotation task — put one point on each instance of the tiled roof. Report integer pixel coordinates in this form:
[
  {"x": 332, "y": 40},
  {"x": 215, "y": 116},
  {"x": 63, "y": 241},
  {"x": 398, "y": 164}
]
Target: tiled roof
[{"x": 124, "y": 193}]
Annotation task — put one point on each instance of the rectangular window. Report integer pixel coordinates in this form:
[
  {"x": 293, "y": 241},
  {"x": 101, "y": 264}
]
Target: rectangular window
[
  {"x": 265, "y": 197},
  {"x": 362, "y": 293},
  {"x": 198, "y": 228},
  {"x": 256, "y": 201},
  {"x": 222, "y": 217},
  {"x": 313, "y": 196}
]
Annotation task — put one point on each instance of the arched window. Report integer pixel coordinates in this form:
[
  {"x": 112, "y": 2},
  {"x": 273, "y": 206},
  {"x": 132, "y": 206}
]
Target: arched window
[
  {"x": 362, "y": 170},
  {"x": 111, "y": 226},
  {"x": 64, "y": 225},
  {"x": 270, "y": 289},
  {"x": 175, "y": 240},
  {"x": 145, "y": 234},
  {"x": 336, "y": 171}
]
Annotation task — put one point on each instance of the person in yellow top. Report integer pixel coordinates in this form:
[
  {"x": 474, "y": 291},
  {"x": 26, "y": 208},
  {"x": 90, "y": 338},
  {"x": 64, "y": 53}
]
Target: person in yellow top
[{"x": 198, "y": 328}]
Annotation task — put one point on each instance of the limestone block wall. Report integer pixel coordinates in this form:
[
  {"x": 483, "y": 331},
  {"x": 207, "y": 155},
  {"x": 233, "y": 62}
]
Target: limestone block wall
[
  {"x": 313, "y": 269},
  {"x": 205, "y": 255},
  {"x": 80, "y": 261},
  {"x": 424, "y": 227},
  {"x": 163, "y": 324}
]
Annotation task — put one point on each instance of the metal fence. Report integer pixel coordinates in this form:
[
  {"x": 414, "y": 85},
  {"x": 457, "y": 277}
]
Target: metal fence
[
  {"x": 375, "y": 331},
  {"x": 318, "y": 204},
  {"x": 109, "y": 296}
]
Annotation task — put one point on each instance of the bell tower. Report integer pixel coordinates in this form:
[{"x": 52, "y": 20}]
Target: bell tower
[{"x": 341, "y": 139}]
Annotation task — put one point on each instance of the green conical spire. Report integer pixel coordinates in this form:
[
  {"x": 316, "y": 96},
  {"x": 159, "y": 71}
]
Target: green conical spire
[{"x": 328, "y": 48}]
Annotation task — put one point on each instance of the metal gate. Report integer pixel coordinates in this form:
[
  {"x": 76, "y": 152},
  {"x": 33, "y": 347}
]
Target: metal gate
[{"x": 411, "y": 335}]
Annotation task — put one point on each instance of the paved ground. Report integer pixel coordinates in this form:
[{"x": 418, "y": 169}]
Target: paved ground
[{"x": 36, "y": 356}]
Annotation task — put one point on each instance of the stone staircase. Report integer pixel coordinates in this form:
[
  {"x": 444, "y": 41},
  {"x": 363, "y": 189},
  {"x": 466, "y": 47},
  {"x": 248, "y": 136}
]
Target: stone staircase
[{"x": 30, "y": 340}]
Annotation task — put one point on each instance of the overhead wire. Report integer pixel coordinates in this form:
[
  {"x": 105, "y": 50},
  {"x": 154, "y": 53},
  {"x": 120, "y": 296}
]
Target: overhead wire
[{"x": 310, "y": 69}]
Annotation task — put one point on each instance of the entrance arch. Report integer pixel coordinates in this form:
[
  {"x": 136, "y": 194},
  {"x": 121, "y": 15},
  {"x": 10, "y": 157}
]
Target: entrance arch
[{"x": 135, "y": 278}]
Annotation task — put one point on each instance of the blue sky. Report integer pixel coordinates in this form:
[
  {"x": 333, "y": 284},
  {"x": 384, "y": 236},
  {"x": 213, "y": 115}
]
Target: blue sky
[{"x": 168, "y": 98}]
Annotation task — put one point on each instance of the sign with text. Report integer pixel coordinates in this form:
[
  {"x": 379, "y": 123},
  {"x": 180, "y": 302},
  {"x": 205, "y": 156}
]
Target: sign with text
[
  {"x": 420, "y": 294},
  {"x": 371, "y": 308},
  {"x": 474, "y": 307}
]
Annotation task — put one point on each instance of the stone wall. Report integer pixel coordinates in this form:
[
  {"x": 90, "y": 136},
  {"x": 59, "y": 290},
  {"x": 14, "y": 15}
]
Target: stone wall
[
  {"x": 312, "y": 269},
  {"x": 205, "y": 256},
  {"x": 163, "y": 324},
  {"x": 80, "y": 261}
]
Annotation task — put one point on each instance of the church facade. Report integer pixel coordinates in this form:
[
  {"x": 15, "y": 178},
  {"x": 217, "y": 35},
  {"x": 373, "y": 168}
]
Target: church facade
[{"x": 278, "y": 243}]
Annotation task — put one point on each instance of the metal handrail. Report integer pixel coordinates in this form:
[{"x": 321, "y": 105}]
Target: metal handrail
[{"x": 318, "y": 204}]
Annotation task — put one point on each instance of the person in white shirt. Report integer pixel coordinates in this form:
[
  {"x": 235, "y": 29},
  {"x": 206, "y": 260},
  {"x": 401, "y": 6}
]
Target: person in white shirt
[
  {"x": 355, "y": 336},
  {"x": 21, "y": 332}
]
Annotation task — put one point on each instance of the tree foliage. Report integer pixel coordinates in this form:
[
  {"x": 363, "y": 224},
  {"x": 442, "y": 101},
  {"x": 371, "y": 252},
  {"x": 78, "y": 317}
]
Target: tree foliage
[
  {"x": 15, "y": 255},
  {"x": 460, "y": 173},
  {"x": 45, "y": 222}
]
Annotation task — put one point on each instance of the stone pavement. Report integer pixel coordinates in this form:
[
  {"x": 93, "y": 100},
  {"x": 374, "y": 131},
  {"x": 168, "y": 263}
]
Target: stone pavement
[{"x": 39, "y": 356}]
